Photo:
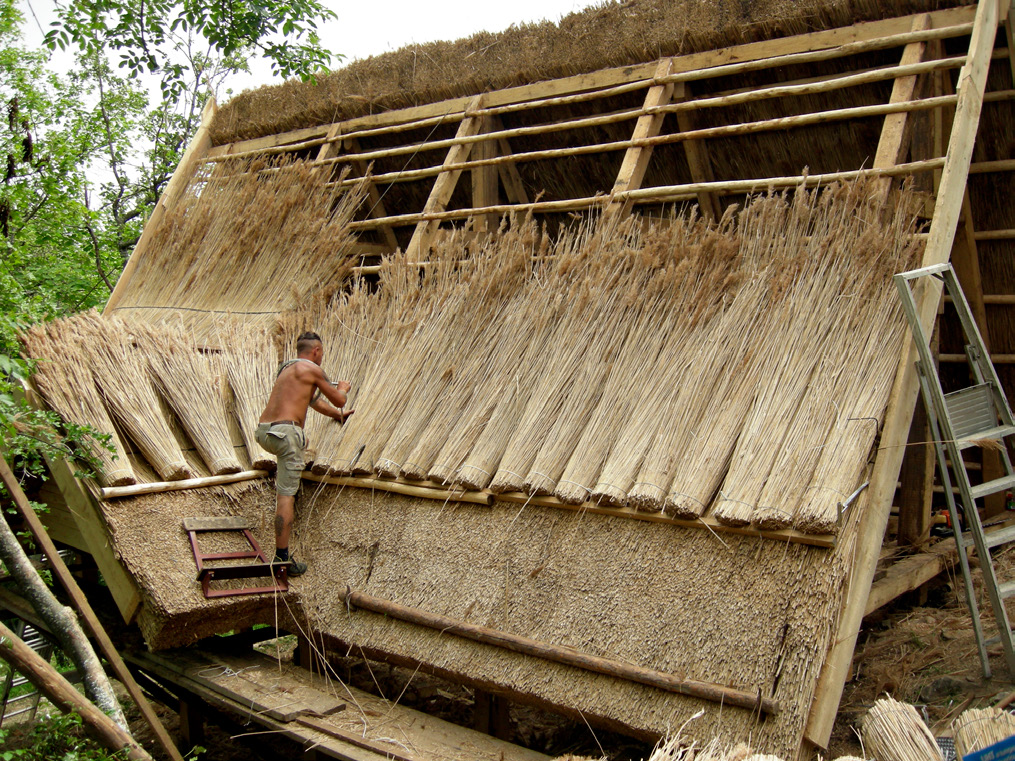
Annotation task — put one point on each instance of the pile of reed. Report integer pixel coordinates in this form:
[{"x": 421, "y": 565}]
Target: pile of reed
[
  {"x": 191, "y": 382},
  {"x": 251, "y": 361},
  {"x": 979, "y": 728},
  {"x": 894, "y": 731},
  {"x": 227, "y": 249},
  {"x": 122, "y": 376},
  {"x": 65, "y": 379}
]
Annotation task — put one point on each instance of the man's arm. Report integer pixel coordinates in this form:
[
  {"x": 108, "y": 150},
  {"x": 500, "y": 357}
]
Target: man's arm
[
  {"x": 326, "y": 409},
  {"x": 335, "y": 393}
]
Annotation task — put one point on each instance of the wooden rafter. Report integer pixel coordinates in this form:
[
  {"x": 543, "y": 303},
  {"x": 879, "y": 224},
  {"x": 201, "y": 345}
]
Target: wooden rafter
[
  {"x": 636, "y": 159},
  {"x": 972, "y": 82},
  {"x": 444, "y": 186},
  {"x": 485, "y": 181},
  {"x": 376, "y": 207}
]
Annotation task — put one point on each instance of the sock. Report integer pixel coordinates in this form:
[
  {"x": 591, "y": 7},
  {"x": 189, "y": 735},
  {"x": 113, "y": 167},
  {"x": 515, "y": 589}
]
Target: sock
[{"x": 282, "y": 553}]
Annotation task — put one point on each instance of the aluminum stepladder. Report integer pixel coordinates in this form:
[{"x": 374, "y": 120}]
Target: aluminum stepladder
[
  {"x": 27, "y": 702},
  {"x": 960, "y": 420}
]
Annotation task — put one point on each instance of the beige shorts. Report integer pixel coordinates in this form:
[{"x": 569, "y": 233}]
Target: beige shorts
[{"x": 286, "y": 442}]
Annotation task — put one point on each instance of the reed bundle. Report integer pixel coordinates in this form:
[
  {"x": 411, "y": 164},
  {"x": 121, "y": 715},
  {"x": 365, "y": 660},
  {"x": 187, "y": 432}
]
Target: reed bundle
[
  {"x": 228, "y": 247},
  {"x": 64, "y": 377},
  {"x": 979, "y": 728},
  {"x": 894, "y": 731},
  {"x": 250, "y": 360},
  {"x": 122, "y": 376},
  {"x": 191, "y": 383}
]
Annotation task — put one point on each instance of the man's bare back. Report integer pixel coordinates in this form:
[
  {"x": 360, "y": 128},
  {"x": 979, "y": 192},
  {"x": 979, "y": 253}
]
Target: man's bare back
[{"x": 294, "y": 389}]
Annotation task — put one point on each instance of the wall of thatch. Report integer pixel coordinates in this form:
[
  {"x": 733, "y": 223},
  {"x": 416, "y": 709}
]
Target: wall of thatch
[
  {"x": 749, "y": 613},
  {"x": 606, "y": 35}
]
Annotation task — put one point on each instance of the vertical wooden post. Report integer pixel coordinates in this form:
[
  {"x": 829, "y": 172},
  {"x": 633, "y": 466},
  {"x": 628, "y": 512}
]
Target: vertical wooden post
[
  {"x": 198, "y": 147},
  {"x": 917, "y": 473},
  {"x": 485, "y": 187},
  {"x": 376, "y": 207},
  {"x": 445, "y": 184},
  {"x": 899, "y": 415},
  {"x": 191, "y": 724},
  {"x": 510, "y": 178},
  {"x": 698, "y": 160}
]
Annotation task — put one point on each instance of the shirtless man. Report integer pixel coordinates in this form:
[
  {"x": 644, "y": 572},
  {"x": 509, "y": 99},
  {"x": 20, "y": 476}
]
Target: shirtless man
[{"x": 298, "y": 385}]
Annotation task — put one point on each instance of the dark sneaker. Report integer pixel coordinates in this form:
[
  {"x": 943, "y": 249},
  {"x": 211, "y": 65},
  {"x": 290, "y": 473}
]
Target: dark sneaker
[{"x": 295, "y": 568}]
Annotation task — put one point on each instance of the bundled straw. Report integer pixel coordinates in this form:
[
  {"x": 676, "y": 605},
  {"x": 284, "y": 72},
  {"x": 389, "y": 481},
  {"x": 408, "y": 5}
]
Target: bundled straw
[
  {"x": 190, "y": 382},
  {"x": 250, "y": 361},
  {"x": 894, "y": 731},
  {"x": 979, "y": 728},
  {"x": 65, "y": 380},
  {"x": 122, "y": 376},
  {"x": 247, "y": 240}
]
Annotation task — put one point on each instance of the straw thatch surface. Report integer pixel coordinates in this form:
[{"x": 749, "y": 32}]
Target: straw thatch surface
[
  {"x": 226, "y": 250},
  {"x": 608, "y": 34},
  {"x": 979, "y": 728},
  {"x": 746, "y": 612}
]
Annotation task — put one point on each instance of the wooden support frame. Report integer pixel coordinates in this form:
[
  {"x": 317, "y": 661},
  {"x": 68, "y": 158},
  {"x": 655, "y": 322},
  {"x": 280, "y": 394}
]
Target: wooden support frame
[
  {"x": 444, "y": 186},
  {"x": 374, "y": 197},
  {"x": 871, "y": 526},
  {"x": 636, "y": 159},
  {"x": 485, "y": 181},
  {"x": 696, "y": 152}
]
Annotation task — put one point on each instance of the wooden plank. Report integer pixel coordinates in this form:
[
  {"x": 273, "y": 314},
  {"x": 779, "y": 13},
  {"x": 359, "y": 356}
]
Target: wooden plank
[
  {"x": 84, "y": 610},
  {"x": 698, "y": 160},
  {"x": 401, "y": 486},
  {"x": 196, "y": 151},
  {"x": 893, "y": 143},
  {"x": 444, "y": 186},
  {"x": 904, "y": 391},
  {"x": 916, "y": 478},
  {"x": 887, "y": 29},
  {"x": 636, "y": 159},
  {"x": 910, "y": 573},
  {"x": 216, "y": 523}
]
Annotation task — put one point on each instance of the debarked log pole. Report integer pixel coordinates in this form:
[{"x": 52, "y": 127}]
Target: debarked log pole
[
  {"x": 64, "y": 696},
  {"x": 715, "y": 693}
]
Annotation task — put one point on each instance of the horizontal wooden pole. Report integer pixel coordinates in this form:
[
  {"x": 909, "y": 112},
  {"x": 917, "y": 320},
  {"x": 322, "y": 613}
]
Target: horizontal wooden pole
[
  {"x": 989, "y": 167},
  {"x": 402, "y": 487},
  {"x": 657, "y": 194},
  {"x": 115, "y": 492},
  {"x": 994, "y": 235},
  {"x": 629, "y": 672},
  {"x": 997, "y": 359}
]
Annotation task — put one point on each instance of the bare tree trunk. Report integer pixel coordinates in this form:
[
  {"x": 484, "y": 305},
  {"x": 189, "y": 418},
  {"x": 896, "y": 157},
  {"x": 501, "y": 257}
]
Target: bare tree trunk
[
  {"x": 62, "y": 694},
  {"x": 62, "y": 622}
]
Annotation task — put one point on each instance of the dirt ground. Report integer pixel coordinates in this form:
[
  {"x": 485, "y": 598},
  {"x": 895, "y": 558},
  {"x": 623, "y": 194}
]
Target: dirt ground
[{"x": 919, "y": 649}]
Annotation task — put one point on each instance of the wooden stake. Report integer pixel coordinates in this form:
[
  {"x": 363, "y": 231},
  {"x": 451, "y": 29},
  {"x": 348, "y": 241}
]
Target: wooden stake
[{"x": 88, "y": 617}]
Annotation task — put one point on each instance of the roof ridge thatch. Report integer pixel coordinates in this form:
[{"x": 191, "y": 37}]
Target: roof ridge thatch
[{"x": 610, "y": 34}]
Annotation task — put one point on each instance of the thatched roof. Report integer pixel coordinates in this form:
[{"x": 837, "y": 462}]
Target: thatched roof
[{"x": 605, "y": 35}]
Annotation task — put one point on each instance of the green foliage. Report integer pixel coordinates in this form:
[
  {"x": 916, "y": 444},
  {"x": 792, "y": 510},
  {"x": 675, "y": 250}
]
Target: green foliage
[{"x": 284, "y": 31}]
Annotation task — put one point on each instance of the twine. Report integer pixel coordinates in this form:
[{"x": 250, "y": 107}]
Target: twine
[
  {"x": 690, "y": 497},
  {"x": 654, "y": 486},
  {"x": 574, "y": 483}
]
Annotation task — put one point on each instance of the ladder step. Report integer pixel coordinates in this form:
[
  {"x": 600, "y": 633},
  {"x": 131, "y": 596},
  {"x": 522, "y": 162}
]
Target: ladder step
[
  {"x": 997, "y": 432},
  {"x": 993, "y": 487},
  {"x": 993, "y": 538},
  {"x": 1006, "y": 590}
]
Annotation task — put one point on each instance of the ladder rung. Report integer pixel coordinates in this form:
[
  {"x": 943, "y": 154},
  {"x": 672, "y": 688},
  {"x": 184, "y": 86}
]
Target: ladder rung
[
  {"x": 18, "y": 681},
  {"x": 998, "y": 432},
  {"x": 993, "y": 487},
  {"x": 20, "y": 698},
  {"x": 993, "y": 538},
  {"x": 1006, "y": 590}
]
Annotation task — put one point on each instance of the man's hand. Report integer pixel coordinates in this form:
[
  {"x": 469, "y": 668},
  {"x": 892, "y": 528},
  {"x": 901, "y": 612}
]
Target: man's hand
[
  {"x": 344, "y": 387},
  {"x": 343, "y": 416}
]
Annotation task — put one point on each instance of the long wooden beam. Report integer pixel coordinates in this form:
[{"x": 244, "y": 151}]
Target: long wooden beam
[
  {"x": 698, "y": 161},
  {"x": 871, "y": 528}
]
